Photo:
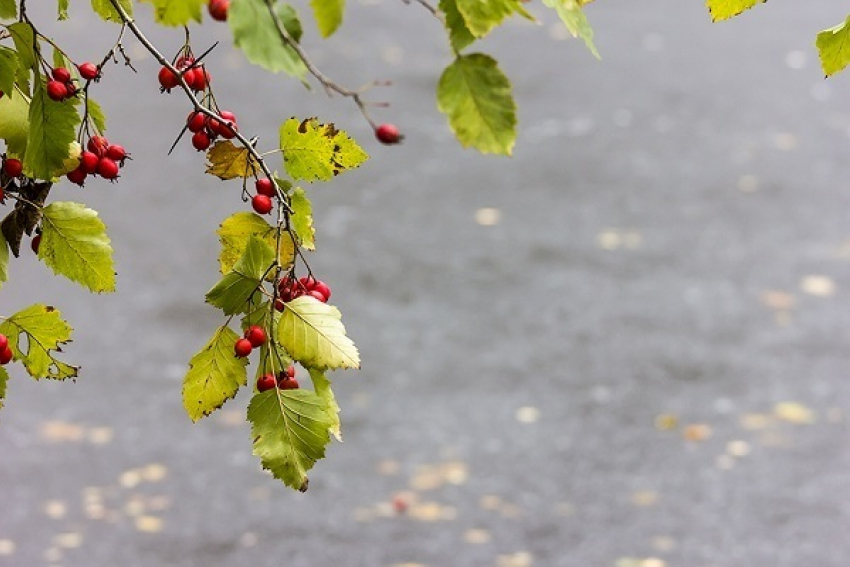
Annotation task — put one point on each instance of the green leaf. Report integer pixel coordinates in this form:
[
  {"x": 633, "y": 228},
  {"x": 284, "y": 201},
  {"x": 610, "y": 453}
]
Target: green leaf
[
  {"x": 74, "y": 244},
  {"x": 8, "y": 9},
  {"x": 322, "y": 386},
  {"x": 107, "y": 11},
  {"x": 4, "y": 379},
  {"x": 4, "y": 260},
  {"x": 8, "y": 68},
  {"x": 227, "y": 161},
  {"x": 302, "y": 218},
  {"x": 725, "y": 9},
  {"x": 290, "y": 432},
  {"x": 45, "y": 333},
  {"x": 314, "y": 151},
  {"x": 255, "y": 33},
  {"x": 63, "y": 9},
  {"x": 313, "y": 334},
  {"x": 834, "y": 47},
  {"x": 573, "y": 17},
  {"x": 215, "y": 375},
  {"x": 232, "y": 293},
  {"x": 22, "y": 35},
  {"x": 52, "y": 130},
  {"x": 176, "y": 12},
  {"x": 235, "y": 231},
  {"x": 476, "y": 96},
  {"x": 459, "y": 35},
  {"x": 97, "y": 115},
  {"x": 328, "y": 15},
  {"x": 14, "y": 122},
  {"x": 482, "y": 16}
]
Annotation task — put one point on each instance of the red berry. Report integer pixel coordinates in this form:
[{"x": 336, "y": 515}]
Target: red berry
[
  {"x": 290, "y": 371},
  {"x": 200, "y": 80},
  {"x": 1, "y": 94},
  {"x": 107, "y": 168},
  {"x": 243, "y": 348},
  {"x": 6, "y": 355},
  {"x": 322, "y": 288},
  {"x": 288, "y": 384},
  {"x": 196, "y": 122},
  {"x": 190, "y": 77},
  {"x": 228, "y": 128},
  {"x": 57, "y": 91},
  {"x": 61, "y": 74},
  {"x": 4, "y": 342},
  {"x": 13, "y": 167},
  {"x": 88, "y": 162},
  {"x": 36, "y": 243},
  {"x": 262, "y": 204},
  {"x": 116, "y": 152},
  {"x": 97, "y": 145},
  {"x": 89, "y": 71},
  {"x": 167, "y": 79},
  {"x": 317, "y": 295},
  {"x": 201, "y": 141},
  {"x": 388, "y": 134},
  {"x": 266, "y": 382},
  {"x": 279, "y": 304},
  {"x": 308, "y": 282},
  {"x": 265, "y": 187},
  {"x": 183, "y": 62},
  {"x": 78, "y": 176},
  {"x": 218, "y": 9},
  {"x": 256, "y": 335}
]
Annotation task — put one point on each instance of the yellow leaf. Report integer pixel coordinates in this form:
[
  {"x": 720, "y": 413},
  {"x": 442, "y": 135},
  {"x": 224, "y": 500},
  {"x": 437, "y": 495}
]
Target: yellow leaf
[{"x": 229, "y": 162}]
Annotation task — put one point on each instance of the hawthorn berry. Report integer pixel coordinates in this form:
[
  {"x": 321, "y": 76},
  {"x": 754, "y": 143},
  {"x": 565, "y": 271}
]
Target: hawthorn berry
[
  {"x": 13, "y": 167},
  {"x": 78, "y": 175},
  {"x": 317, "y": 295},
  {"x": 201, "y": 141},
  {"x": 97, "y": 145},
  {"x": 388, "y": 134},
  {"x": 196, "y": 122},
  {"x": 57, "y": 90},
  {"x": 1, "y": 94},
  {"x": 6, "y": 355},
  {"x": 4, "y": 341},
  {"x": 88, "y": 162},
  {"x": 36, "y": 243},
  {"x": 200, "y": 80},
  {"x": 89, "y": 71},
  {"x": 265, "y": 187},
  {"x": 256, "y": 335},
  {"x": 107, "y": 168},
  {"x": 266, "y": 382},
  {"x": 116, "y": 153},
  {"x": 167, "y": 79},
  {"x": 262, "y": 204},
  {"x": 226, "y": 129},
  {"x": 288, "y": 384},
  {"x": 218, "y": 9},
  {"x": 61, "y": 74},
  {"x": 243, "y": 348},
  {"x": 322, "y": 288}
]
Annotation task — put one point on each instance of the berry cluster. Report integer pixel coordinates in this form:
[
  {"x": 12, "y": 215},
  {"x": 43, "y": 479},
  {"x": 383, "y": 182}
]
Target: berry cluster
[
  {"x": 262, "y": 201},
  {"x": 195, "y": 74},
  {"x": 61, "y": 86},
  {"x": 218, "y": 9},
  {"x": 255, "y": 337},
  {"x": 100, "y": 158},
  {"x": 285, "y": 380},
  {"x": 205, "y": 129},
  {"x": 289, "y": 288},
  {"x": 5, "y": 350}
]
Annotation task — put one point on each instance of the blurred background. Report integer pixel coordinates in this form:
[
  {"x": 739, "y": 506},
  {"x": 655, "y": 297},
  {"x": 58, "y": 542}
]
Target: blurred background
[{"x": 625, "y": 346}]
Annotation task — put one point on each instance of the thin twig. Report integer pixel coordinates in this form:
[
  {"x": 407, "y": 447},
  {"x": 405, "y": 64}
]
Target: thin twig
[
  {"x": 326, "y": 82},
  {"x": 428, "y": 6}
]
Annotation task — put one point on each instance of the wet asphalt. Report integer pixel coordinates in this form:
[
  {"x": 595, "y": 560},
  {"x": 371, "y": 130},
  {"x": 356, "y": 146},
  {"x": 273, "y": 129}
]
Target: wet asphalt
[{"x": 626, "y": 346}]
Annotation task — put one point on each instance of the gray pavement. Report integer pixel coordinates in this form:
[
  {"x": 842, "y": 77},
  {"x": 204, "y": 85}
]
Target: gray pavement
[{"x": 638, "y": 358}]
